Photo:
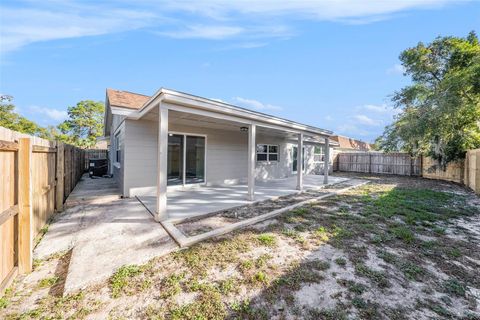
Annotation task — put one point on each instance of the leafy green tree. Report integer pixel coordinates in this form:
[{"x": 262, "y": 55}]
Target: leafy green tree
[
  {"x": 13, "y": 121},
  {"x": 440, "y": 109},
  {"x": 84, "y": 125}
]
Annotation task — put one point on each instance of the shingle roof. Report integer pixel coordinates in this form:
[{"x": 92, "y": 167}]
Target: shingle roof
[
  {"x": 125, "y": 99},
  {"x": 349, "y": 143}
]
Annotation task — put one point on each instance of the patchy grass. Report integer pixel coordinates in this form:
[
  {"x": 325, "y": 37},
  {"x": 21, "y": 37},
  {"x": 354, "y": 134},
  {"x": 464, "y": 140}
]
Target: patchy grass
[
  {"x": 48, "y": 282},
  {"x": 120, "y": 280},
  {"x": 341, "y": 261},
  {"x": 266, "y": 239},
  {"x": 378, "y": 277},
  {"x": 454, "y": 287},
  {"x": 381, "y": 251}
]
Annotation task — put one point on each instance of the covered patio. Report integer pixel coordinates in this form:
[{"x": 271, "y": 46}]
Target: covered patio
[
  {"x": 212, "y": 156},
  {"x": 200, "y": 200}
]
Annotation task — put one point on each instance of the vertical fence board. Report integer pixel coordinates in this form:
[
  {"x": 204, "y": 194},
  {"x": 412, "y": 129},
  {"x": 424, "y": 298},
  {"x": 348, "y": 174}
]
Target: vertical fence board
[
  {"x": 30, "y": 181},
  {"x": 25, "y": 240}
]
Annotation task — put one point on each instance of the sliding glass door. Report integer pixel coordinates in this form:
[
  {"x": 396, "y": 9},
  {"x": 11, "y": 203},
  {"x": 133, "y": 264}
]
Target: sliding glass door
[
  {"x": 186, "y": 159},
  {"x": 175, "y": 160},
  {"x": 294, "y": 159},
  {"x": 195, "y": 160}
]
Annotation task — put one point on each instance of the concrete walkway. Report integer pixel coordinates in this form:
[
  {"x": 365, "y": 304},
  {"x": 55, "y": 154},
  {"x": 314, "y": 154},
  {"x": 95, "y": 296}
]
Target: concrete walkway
[{"x": 104, "y": 232}]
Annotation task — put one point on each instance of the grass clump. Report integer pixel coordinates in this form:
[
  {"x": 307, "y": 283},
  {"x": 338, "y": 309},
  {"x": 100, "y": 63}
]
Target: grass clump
[
  {"x": 404, "y": 233},
  {"x": 322, "y": 234},
  {"x": 267, "y": 239},
  {"x": 171, "y": 285},
  {"x": 220, "y": 253},
  {"x": 121, "y": 279},
  {"x": 48, "y": 282},
  {"x": 378, "y": 277},
  {"x": 352, "y": 286},
  {"x": 454, "y": 287},
  {"x": 228, "y": 285},
  {"x": 341, "y": 262},
  {"x": 260, "y": 278},
  {"x": 208, "y": 305}
]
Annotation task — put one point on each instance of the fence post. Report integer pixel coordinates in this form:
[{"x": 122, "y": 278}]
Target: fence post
[
  {"x": 421, "y": 165},
  {"x": 370, "y": 163},
  {"x": 25, "y": 209},
  {"x": 60, "y": 176}
]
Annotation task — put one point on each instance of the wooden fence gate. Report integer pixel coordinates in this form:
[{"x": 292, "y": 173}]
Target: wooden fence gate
[{"x": 36, "y": 177}]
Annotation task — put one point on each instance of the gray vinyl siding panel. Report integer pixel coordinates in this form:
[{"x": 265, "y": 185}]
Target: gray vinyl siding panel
[{"x": 141, "y": 141}]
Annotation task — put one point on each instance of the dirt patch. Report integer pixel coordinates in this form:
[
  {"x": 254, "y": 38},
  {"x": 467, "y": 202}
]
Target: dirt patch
[{"x": 398, "y": 248}]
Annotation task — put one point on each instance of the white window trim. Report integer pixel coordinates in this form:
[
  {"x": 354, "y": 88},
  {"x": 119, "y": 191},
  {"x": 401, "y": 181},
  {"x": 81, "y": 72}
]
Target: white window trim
[
  {"x": 268, "y": 153},
  {"x": 116, "y": 139},
  {"x": 320, "y": 154}
]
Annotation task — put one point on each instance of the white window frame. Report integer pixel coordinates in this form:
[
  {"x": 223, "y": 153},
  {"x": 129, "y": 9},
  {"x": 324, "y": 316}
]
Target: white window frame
[
  {"x": 321, "y": 154},
  {"x": 268, "y": 153},
  {"x": 117, "y": 147}
]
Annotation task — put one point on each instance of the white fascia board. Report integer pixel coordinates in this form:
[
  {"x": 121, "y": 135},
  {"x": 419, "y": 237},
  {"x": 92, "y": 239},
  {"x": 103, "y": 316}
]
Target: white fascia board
[{"x": 124, "y": 111}]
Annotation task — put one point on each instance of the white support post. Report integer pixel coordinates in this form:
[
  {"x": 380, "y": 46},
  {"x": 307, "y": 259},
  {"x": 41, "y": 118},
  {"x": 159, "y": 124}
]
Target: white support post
[
  {"x": 251, "y": 161},
  {"x": 327, "y": 161},
  {"x": 300, "y": 162},
  {"x": 161, "y": 213}
]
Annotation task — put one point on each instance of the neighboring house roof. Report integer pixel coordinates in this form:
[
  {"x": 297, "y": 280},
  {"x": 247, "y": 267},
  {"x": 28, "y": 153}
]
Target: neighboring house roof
[
  {"x": 126, "y": 99},
  {"x": 353, "y": 144}
]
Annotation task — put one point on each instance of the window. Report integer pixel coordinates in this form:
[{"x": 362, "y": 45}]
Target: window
[
  {"x": 267, "y": 152},
  {"x": 118, "y": 147},
  {"x": 319, "y": 154}
]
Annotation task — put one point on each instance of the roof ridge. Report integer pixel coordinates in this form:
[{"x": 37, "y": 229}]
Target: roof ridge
[{"x": 138, "y": 94}]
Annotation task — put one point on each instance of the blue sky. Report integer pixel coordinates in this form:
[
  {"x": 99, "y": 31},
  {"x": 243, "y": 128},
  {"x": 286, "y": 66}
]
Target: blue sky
[{"x": 331, "y": 64}]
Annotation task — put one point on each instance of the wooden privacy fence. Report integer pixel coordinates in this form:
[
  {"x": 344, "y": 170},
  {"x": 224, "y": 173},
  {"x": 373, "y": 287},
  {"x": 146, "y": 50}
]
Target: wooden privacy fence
[
  {"x": 374, "y": 162},
  {"x": 465, "y": 172},
  {"x": 472, "y": 170},
  {"x": 94, "y": 154},
  {"x": 36, "y": 177}
]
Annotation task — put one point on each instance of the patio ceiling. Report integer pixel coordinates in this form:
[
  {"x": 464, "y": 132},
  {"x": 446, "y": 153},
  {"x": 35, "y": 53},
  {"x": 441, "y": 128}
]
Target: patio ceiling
[{"x": 189, "y": 119}]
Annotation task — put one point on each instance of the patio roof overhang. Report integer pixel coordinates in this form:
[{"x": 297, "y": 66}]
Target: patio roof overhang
[{"x": 183, "y": 102}]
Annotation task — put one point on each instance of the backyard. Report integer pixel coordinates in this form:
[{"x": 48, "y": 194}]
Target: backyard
[{"x": 396, "y": 248}]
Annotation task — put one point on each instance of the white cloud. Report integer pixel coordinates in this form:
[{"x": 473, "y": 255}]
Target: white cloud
[
  {"x": 328, "y": 118},
  {"x": 213, "y": 32},
  {"x": 351, "y": 130},
  {"x": 308, "y": 9},
  {"x": 21, "y": 26},
  {"x": 254, "y": 104},
  {"x": 34, "y": 21},
  {"x": 396, "y": 69},
  {"x": 54, "y": 114},
  {"x": 366, "y": 120}
]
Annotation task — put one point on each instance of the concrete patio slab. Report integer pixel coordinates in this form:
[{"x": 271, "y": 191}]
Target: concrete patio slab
[
  {"x": 104, "y": 234},
  {"x": 185, "y": 241},
  {"x": 196, "y": 201}
]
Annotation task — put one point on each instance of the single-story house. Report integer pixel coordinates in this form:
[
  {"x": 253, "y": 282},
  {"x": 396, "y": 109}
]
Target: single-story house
[{"x": 176, "y": 140}]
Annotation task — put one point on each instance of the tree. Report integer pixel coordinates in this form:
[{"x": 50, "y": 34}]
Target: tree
[
  {"x": 13, "y": 121},
  {"x": 440, "y": 109},
  {"x": 84, "y": 125}
]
